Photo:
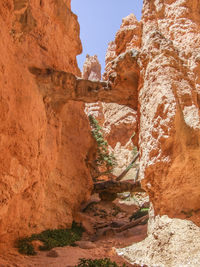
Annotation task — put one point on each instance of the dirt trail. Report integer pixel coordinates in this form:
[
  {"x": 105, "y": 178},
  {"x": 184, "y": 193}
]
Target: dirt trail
[{"x": 100, "y": 219}]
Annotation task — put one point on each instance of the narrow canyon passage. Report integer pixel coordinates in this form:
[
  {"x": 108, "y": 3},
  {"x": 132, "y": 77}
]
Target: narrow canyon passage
[{"x": 68, "y": 139}]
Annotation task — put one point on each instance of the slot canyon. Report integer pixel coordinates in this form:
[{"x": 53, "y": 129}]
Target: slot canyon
[{"x": 145, "y": 108}]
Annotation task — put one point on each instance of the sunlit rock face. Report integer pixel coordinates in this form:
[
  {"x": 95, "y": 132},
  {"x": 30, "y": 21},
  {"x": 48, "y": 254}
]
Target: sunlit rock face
[
  {"x": 159, "y": 69},
  {"x": 122, "y": 71},
  {"x": 129, "y": 35},
  {"x": 172, "y": 242},
  {"x": 169, "y": 129},
  {"x": 127, "y": 38},
  {"x": 47, "y": 31},
  {"x": 169, "y": 100},
  {"x": 91, "y": 69},
  {"x": 155, "y": 72},
  {"x": 118, "y": 122},
  {"x": 44, "y": 176}
]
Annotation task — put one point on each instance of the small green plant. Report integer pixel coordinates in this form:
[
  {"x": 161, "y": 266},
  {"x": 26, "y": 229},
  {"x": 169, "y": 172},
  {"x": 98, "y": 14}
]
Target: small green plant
[
  {"x": 106, "y": 262},
  {"x": 140, "y": 213},
  {"x": 104, "y": 157},
  {"x": 50, "y": 239},
  {"x": 25, "y": 247}
]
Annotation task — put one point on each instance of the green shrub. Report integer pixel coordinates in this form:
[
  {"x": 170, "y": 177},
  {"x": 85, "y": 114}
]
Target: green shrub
[
  {"x": 50, "y": 239},
  {"x": 25, "y": 247},
  {"x": 104, "y": 157},
  {"x": 97, "y": 263}
]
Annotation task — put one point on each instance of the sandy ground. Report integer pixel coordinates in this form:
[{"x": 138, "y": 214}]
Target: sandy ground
[
  {"x": 104, "y": 240},
  {"x": 69, "y": 256}
]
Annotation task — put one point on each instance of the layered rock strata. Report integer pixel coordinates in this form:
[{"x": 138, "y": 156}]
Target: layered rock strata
[
  {"x": 168, "y": 127},
  {"x": 163, "y": 76},
  {"x": 44, "y": 169},
  {"x": 44, "y": 177},
  {"x": 156, "y": 73}
]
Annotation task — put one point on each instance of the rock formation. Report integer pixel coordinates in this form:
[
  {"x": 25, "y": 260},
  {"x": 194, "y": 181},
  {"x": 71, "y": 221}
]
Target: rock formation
[
  {"x": 152, "y": 67},
  {"x": 91, "y": 69},
  {"x": 165, "y": 68},
  {"x": 169, "y": 99},
  {"x": 163, "y": 77},
  {"x": 118, "y": 124},
  {"x": 44, "y": 174},
  {"x": 127, "y": 38},
  {"x": 44, "y": 166},
  {"x": 47, "y": 32},
  {"x": 172, "y": 242}
]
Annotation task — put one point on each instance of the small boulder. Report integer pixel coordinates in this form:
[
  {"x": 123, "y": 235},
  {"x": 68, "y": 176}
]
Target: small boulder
[{"x": 52, "y": 253}]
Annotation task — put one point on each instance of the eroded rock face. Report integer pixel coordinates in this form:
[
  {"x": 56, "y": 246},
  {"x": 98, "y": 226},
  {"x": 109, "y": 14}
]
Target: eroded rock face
[
  {"x": 169, "y": 99},
  {"x": 172, "y": 242},
  {"x": 127, "y": 43},
  {"x": 91, "y": 69},
  {"x": 47, "y": 31},
  {"x": 159, "y": 80},
  {"x": 159, "y": 69},
  {"x": 169, "y": 128},
  {"x": 128, "y": 36},
  {"x": 118, "y": 124},
  {"x": 44, "y": 168},
  {"x": 44, "y": 178}
]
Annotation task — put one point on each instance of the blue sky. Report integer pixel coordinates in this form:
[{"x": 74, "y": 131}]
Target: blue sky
[{"x": 99, "y": 21}]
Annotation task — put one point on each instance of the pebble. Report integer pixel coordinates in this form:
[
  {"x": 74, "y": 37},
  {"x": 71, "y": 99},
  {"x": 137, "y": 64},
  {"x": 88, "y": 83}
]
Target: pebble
[{"x": 52, "y": 254}]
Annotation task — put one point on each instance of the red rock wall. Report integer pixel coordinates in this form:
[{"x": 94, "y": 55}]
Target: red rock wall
[
  {"x": 157, "y": 75},
  {"x": 168, "y": 126},
  {"x": 169, "y": 99},
  {"x": 159, "y": 69},
  {"x": 43, "y": 172}
]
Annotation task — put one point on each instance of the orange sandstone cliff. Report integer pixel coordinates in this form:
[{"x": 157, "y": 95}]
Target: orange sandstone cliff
[
  {"x": 169, "y": 99},
  {"x": 46, "y": 142},
  {"x": 118, "y": 122},
  {"x": 43, "y": 172},
  {"x": 152, "y": 67},
  {"x": 160, "y": 64},
  {"x": 166, "y": 64}
]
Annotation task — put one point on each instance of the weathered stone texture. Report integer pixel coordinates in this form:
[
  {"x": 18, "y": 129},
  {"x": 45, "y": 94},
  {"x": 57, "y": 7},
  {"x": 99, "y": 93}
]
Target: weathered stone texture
[
  {"x": 159, "y": 71},
  {"x": 169, "y": 123},
  {"x": 154, "y": 69},
  {"x": 118, "y": 126},
  {"x": 42, "y": 180},
  {"x": 91, "y": 69},
  {"x": 169, "y": 131},
  {"x": 127, "y": 39},
  {"x": 172, "y": 242}
]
